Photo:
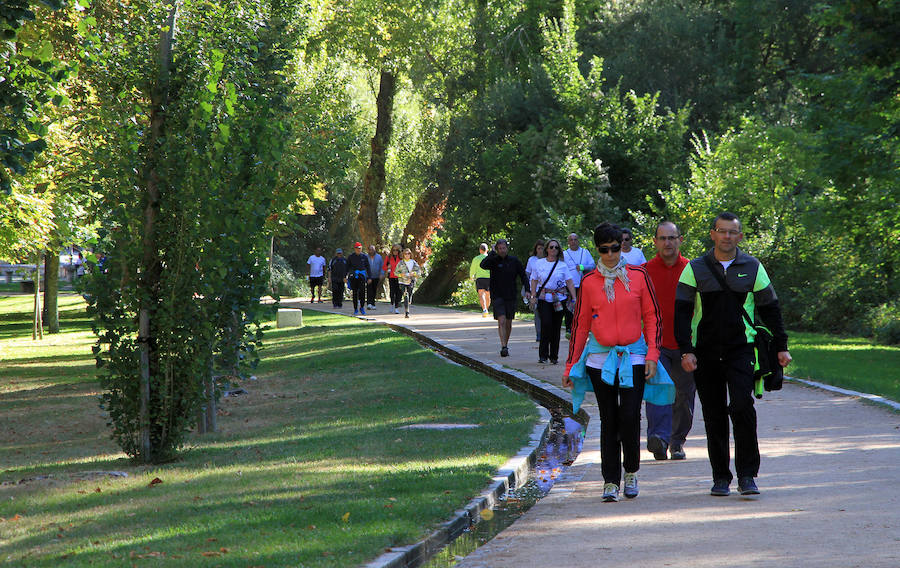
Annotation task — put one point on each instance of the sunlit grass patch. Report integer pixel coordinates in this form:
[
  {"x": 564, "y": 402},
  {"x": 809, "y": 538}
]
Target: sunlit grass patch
[
  {"x": 309, "y": 468},
  {"x": 849, "y": 362}
]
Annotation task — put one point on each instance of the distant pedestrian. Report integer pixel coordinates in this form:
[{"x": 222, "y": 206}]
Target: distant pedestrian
[
  {"x": 358, "y": 278},
  {"x": 551, "y": 289},
  {"x": 538, "y": 252},
  {"x": 337, "y": 273},
  {"x": 579, "y": 262},
  {"x": 668, "y": 425},
  {"x": 716, "y": 343},
  {"x": 316, "y": 264},
  {"x": 630, "y": 253},
  {"x": 617, "y": 308},
  {"x": 408, "y": 272},
  {"x": 482, "y": 279},
  {"x": 390, "y": 268},
  {"x": 375, "y": 262},
  {"x": 504, "y": 270}
]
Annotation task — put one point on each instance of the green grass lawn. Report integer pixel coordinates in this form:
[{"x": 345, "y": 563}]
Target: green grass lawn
[
  {"x": 849, "y": 362},
  {"x": 311, "y": 468}
]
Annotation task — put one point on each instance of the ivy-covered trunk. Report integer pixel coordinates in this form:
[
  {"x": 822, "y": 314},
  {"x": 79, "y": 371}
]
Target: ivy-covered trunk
[
  {"x": 51, "y": 291},
  {"x": 375, "y": 180}
]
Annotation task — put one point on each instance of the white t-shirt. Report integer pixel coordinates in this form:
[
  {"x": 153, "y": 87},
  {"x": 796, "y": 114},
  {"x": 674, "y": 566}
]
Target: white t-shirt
[
  {"x": 575, "y": 257},
  {"x": 316, "y": 266},
  {"x": 542, "y": 269},
  {"x": 409, "y": 264},
  {"x": 634, "y": 257},
  {"x": 726, "y": 263},
  {"x": 596, "y": 360},
  {"x": 529, "y": 268}
]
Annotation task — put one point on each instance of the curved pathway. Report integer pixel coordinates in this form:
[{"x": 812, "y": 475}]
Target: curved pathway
[{"x": 830, "y": 482}]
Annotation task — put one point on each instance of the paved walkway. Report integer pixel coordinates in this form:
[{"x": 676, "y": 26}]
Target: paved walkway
[{"x": 830, "y": 482}]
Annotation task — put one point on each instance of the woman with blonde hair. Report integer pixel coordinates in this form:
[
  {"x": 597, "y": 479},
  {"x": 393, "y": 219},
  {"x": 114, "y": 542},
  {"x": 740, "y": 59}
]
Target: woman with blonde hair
[{"x": 407, "y": 271}]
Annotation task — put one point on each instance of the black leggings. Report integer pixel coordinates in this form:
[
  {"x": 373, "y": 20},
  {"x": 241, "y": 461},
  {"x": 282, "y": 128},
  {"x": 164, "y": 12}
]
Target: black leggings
[
  {"x": 394, "y": 287},
  {"x": 620, "y": 423},
  {"x": 407, "y": 290},
  {"x": 551, "y": 322}
]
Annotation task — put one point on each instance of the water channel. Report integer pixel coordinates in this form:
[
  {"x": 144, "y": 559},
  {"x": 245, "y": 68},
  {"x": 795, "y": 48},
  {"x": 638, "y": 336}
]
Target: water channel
[{"x": 560, "y": 447}]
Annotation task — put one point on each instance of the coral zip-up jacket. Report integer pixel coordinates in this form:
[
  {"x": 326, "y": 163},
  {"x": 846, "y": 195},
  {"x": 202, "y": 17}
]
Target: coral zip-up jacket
[
  {"x": 390, "y": 265},
  {"x": 619, "y": 322}
]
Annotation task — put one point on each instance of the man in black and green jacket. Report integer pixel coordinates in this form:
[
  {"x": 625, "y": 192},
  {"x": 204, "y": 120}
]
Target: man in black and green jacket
[{"x": 716, "y": 344}]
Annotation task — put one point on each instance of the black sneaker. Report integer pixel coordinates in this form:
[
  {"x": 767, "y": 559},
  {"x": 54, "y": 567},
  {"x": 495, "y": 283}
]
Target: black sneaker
[
  {"x": 554, "y": 361},
  {"x": 720, "y": 488},
  {"x": 504, "y": 351},
  {"x": 542, "y": 361},
  {"x": 747, "y": 486},
  {"x": 658, "y": 447},
  {"x": 678, "y": 453}
]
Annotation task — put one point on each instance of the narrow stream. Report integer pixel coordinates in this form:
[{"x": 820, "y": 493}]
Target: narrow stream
[{"x": 560, "y": 448}]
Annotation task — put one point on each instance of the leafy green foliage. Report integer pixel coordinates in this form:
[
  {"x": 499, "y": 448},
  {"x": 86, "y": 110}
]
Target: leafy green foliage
[
  {"x": 32, "y": 77},
  {"x": 213, "y": 160}
]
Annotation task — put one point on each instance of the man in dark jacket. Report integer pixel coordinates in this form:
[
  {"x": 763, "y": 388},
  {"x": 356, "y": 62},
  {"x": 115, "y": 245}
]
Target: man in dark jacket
[
  {"x": 358, "y": 278},
  {"x": 716, "y": 343},
  {"x": 504, "y": 270},
  {"x": 337, "y": 271}
]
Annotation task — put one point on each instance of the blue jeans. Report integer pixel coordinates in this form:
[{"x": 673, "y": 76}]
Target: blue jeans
[{"x": 672, "y": 422}]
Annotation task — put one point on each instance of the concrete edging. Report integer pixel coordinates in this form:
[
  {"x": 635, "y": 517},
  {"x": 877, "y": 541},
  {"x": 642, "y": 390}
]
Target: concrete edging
[{"x": 877, "y": 399}]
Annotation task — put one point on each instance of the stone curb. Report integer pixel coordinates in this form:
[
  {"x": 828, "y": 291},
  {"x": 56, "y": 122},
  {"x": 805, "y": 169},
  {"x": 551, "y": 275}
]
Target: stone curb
[
  {"x": 513, "y": 474},
  {"x": 877, "y": 399}
]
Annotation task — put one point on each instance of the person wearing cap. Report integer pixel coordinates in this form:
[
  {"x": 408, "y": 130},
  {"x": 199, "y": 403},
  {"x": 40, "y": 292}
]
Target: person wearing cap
[
  {"x": 337, "y": 272},
  {"x": 358, "y": 277}
]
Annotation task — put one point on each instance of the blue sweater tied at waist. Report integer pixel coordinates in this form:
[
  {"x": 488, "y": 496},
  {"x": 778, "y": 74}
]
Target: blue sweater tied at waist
[{"x": 659, "y": 390}]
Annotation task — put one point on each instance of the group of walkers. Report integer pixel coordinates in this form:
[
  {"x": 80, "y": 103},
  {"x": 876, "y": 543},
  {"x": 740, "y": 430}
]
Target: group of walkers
[
  {"x": 363, "y": 275},
  {"x": 657, "y": 331}
]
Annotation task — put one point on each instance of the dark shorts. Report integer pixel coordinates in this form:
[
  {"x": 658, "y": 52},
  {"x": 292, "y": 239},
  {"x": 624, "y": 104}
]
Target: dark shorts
[
  {"x": 504, "y": 307},
  {"x": 482, "y": 283},
  {"x": 315, "y": 281}
]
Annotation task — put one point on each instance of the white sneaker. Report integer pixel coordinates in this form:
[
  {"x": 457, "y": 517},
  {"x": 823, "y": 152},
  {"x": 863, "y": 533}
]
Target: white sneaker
[{"x": 610, "y": 493}]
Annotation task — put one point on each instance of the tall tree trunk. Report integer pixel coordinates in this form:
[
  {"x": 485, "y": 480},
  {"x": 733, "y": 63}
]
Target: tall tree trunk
[
  {"x": 442, "y": 278},
  {"x": 374, "y": 182},
  {"x": 427, "y": 217},
  {"x": 151, "y": 269},
  {"x": 37, "y": 331},
  {"x": 51, "y": 291}
]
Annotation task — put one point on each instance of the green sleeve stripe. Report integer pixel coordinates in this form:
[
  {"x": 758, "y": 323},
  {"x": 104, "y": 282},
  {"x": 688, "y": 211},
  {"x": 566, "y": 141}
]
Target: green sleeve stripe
[
  {"x": 687, "y": 276},
  {"x": 762, "y": 279}
]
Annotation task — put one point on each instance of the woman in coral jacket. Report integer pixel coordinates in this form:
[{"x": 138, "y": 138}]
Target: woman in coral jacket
[
  {"x": 390, "y": 266},
  {"x": 615, "y": 312}
]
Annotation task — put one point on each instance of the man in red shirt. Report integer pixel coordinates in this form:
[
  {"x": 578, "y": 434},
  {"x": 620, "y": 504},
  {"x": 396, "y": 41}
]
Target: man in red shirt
[{"x": 668, "y": 426}]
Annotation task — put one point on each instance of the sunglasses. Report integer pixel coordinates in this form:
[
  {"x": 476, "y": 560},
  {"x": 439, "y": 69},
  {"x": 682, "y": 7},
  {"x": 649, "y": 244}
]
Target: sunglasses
[
  {"x": 606, "y": 250},
  {"x": 553, "y": 247}
]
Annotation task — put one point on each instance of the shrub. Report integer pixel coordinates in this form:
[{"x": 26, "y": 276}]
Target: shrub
[
  {"x": 285, "y": 281},
  {"x": 885, "y": 322}
]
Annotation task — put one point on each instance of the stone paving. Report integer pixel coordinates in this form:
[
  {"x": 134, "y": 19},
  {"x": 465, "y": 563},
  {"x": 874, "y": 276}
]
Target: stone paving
[{"x": 830, "y": 481}]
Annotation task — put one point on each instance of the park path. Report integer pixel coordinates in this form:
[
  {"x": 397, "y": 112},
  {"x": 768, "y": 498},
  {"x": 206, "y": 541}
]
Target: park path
[{"x": 830, "y": 481}]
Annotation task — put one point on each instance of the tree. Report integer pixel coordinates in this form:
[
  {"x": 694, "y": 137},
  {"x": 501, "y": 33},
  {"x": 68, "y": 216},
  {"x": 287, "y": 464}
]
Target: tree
[{"x": 192, "y": 138}]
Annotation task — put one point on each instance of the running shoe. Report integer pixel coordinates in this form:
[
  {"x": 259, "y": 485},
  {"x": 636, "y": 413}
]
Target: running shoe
[
  {"x": 631, "y": 485},
  {"x": 610, "y": 492}
]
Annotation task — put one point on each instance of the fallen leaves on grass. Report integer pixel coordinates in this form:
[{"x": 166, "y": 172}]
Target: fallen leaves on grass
[
  {"x": 12, "y": 519},
  {"x": 154, "y": 481},
  {"x": 346, "y": 517}
]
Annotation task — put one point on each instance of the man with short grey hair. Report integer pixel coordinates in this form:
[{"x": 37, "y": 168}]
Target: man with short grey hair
[
  {"x": 716, "y": 344},
  {"x": 578, "y": 262}
]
